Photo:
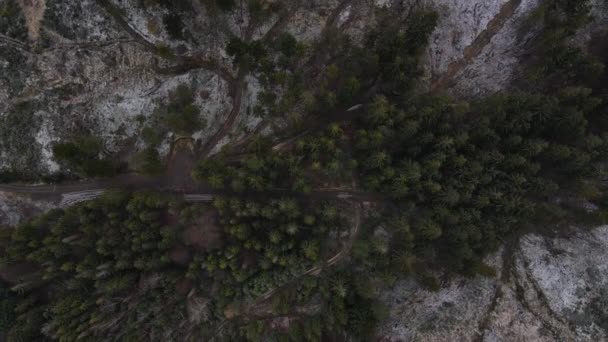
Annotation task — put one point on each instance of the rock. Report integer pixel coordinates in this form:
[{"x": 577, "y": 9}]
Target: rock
[
  {"x": 548, "y": 289},
  {"x": 15, "y": 209}
]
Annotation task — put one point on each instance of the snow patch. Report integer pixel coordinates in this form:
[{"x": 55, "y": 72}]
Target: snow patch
[
  {"x": 460, "y": 22},
  {"x": 568, "y": 265},
  {"x": 15, "y": 209},
  {"x": 451, "y": 314},
  {"x": 344, "y": 15},
  {"x": 45, "y": 139},
  {"x": 381, "y": 3},
  {"x": 220, "y": 144}
]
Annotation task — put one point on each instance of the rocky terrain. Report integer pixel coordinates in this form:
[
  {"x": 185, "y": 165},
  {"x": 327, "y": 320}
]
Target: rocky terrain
[
  {"x": 547, "y": 289},
  {"x": 84, "y": 72},
  {"x": 78, "y": 69}
]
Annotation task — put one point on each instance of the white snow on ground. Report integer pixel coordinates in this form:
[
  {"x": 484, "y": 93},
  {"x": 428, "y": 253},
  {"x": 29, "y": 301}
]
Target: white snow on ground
[
  {"x": 544, "y": 295},
  {"x": 248, "y": 121},
  {"x": 140, "y": 18},
  {"x": 14, "y": 209},
  {"x": 86, "y": 19},
  {"x": 307, "y": 24},
  {"x": 8, "y": 213},
  {"x": 165, "y": 147},
  {"x": 131, "y": 100},
  {"x": 45, "y": 138},
  {"x": 381, "y": 3},
  {"x": 460, "y": 22},
  {"x": 451, "y": 314},
  {"x": 212, "y": 98},
  {"x": 500, "y": 61},
  {"x": 215, "y": 90},
  {"x": 562, "y": 268},
  {"x": 599, "y": 10}
]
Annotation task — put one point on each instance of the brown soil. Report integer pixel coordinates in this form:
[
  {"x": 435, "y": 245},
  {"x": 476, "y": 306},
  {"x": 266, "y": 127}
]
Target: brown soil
[
  {"x": 205, "y": 233},
  {"x": 180, "y": 255},
  {"x": 180, "y": 165},
  {"x": 33, "y": 11},
  {"x": 183, "y": 286},
  {"x": 14, "y": 274}
]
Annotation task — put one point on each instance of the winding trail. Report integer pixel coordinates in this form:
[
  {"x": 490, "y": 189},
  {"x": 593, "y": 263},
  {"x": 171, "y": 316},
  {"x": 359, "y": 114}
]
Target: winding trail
[
  {"x": 475, "y": 49},
  {"x": 184, "y": 63}
]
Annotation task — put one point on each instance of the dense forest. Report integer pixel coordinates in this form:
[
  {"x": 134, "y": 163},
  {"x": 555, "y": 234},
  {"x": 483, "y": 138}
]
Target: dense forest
[{"x": 457, "y": 179}]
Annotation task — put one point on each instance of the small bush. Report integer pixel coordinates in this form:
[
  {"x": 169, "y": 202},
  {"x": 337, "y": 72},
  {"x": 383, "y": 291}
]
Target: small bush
[
  {"x": 174, "y": 26},
  {"x": 165, "y": 52},
  {"x": 85, "y": 156}
]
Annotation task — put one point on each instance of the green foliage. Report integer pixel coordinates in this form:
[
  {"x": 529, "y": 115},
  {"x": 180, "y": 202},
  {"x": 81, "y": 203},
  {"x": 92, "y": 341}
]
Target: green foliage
[
  {"x": 100, "y": 258},
  {"x": 12, "y": 20},
  {"x": 8, "y": 302},
  {"x": 397, "y": 50},
  {"x": 148, "y": 162},
  {"x": 459, "y": 179},
  {"x": 246, "y": 55},
  {"x": 472, "y": 174},
  {"x": 173, "y": 20},
  {"x": 561, "y": 63},
  {"x": 174, "y": 26},
  {"x": 85, "y": 156},
  {"x": 266, "y": 169},
  {"x": 18, "y": 128},
  {"x": 182, "y": 115}
]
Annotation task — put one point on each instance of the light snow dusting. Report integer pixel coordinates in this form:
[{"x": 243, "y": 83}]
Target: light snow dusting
[{"x": 45, "y": 138}]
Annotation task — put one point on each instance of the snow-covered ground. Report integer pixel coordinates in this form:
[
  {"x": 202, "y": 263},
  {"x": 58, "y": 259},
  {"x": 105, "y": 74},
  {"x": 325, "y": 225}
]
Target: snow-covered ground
[
  {"x": 15, "y": 209},
  {"x": 545, "y": 294}
]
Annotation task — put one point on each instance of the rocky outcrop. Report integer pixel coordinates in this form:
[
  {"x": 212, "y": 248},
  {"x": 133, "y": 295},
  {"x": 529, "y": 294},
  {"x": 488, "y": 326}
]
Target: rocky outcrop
[
  {"x": 547, "y": 289},
  {"x": 88, "y": 75},
  {"x": 15, "y": 209}
]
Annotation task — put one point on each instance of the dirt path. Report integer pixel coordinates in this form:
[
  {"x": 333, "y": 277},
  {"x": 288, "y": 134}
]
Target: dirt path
[
  {"x": 33, "y": 11},
  {"x": 128, "y": 180},
  {"x": 237, "y": 91},
  {"x": 14, "y": 43},
  {"x": 472, "y": 51},
  {"x": 280, "y": 24},
  {"x": 184, "y": 63}
]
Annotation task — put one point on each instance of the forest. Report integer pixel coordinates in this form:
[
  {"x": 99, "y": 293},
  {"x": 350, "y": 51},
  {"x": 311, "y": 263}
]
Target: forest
[{"x": 457, "y": 180}]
